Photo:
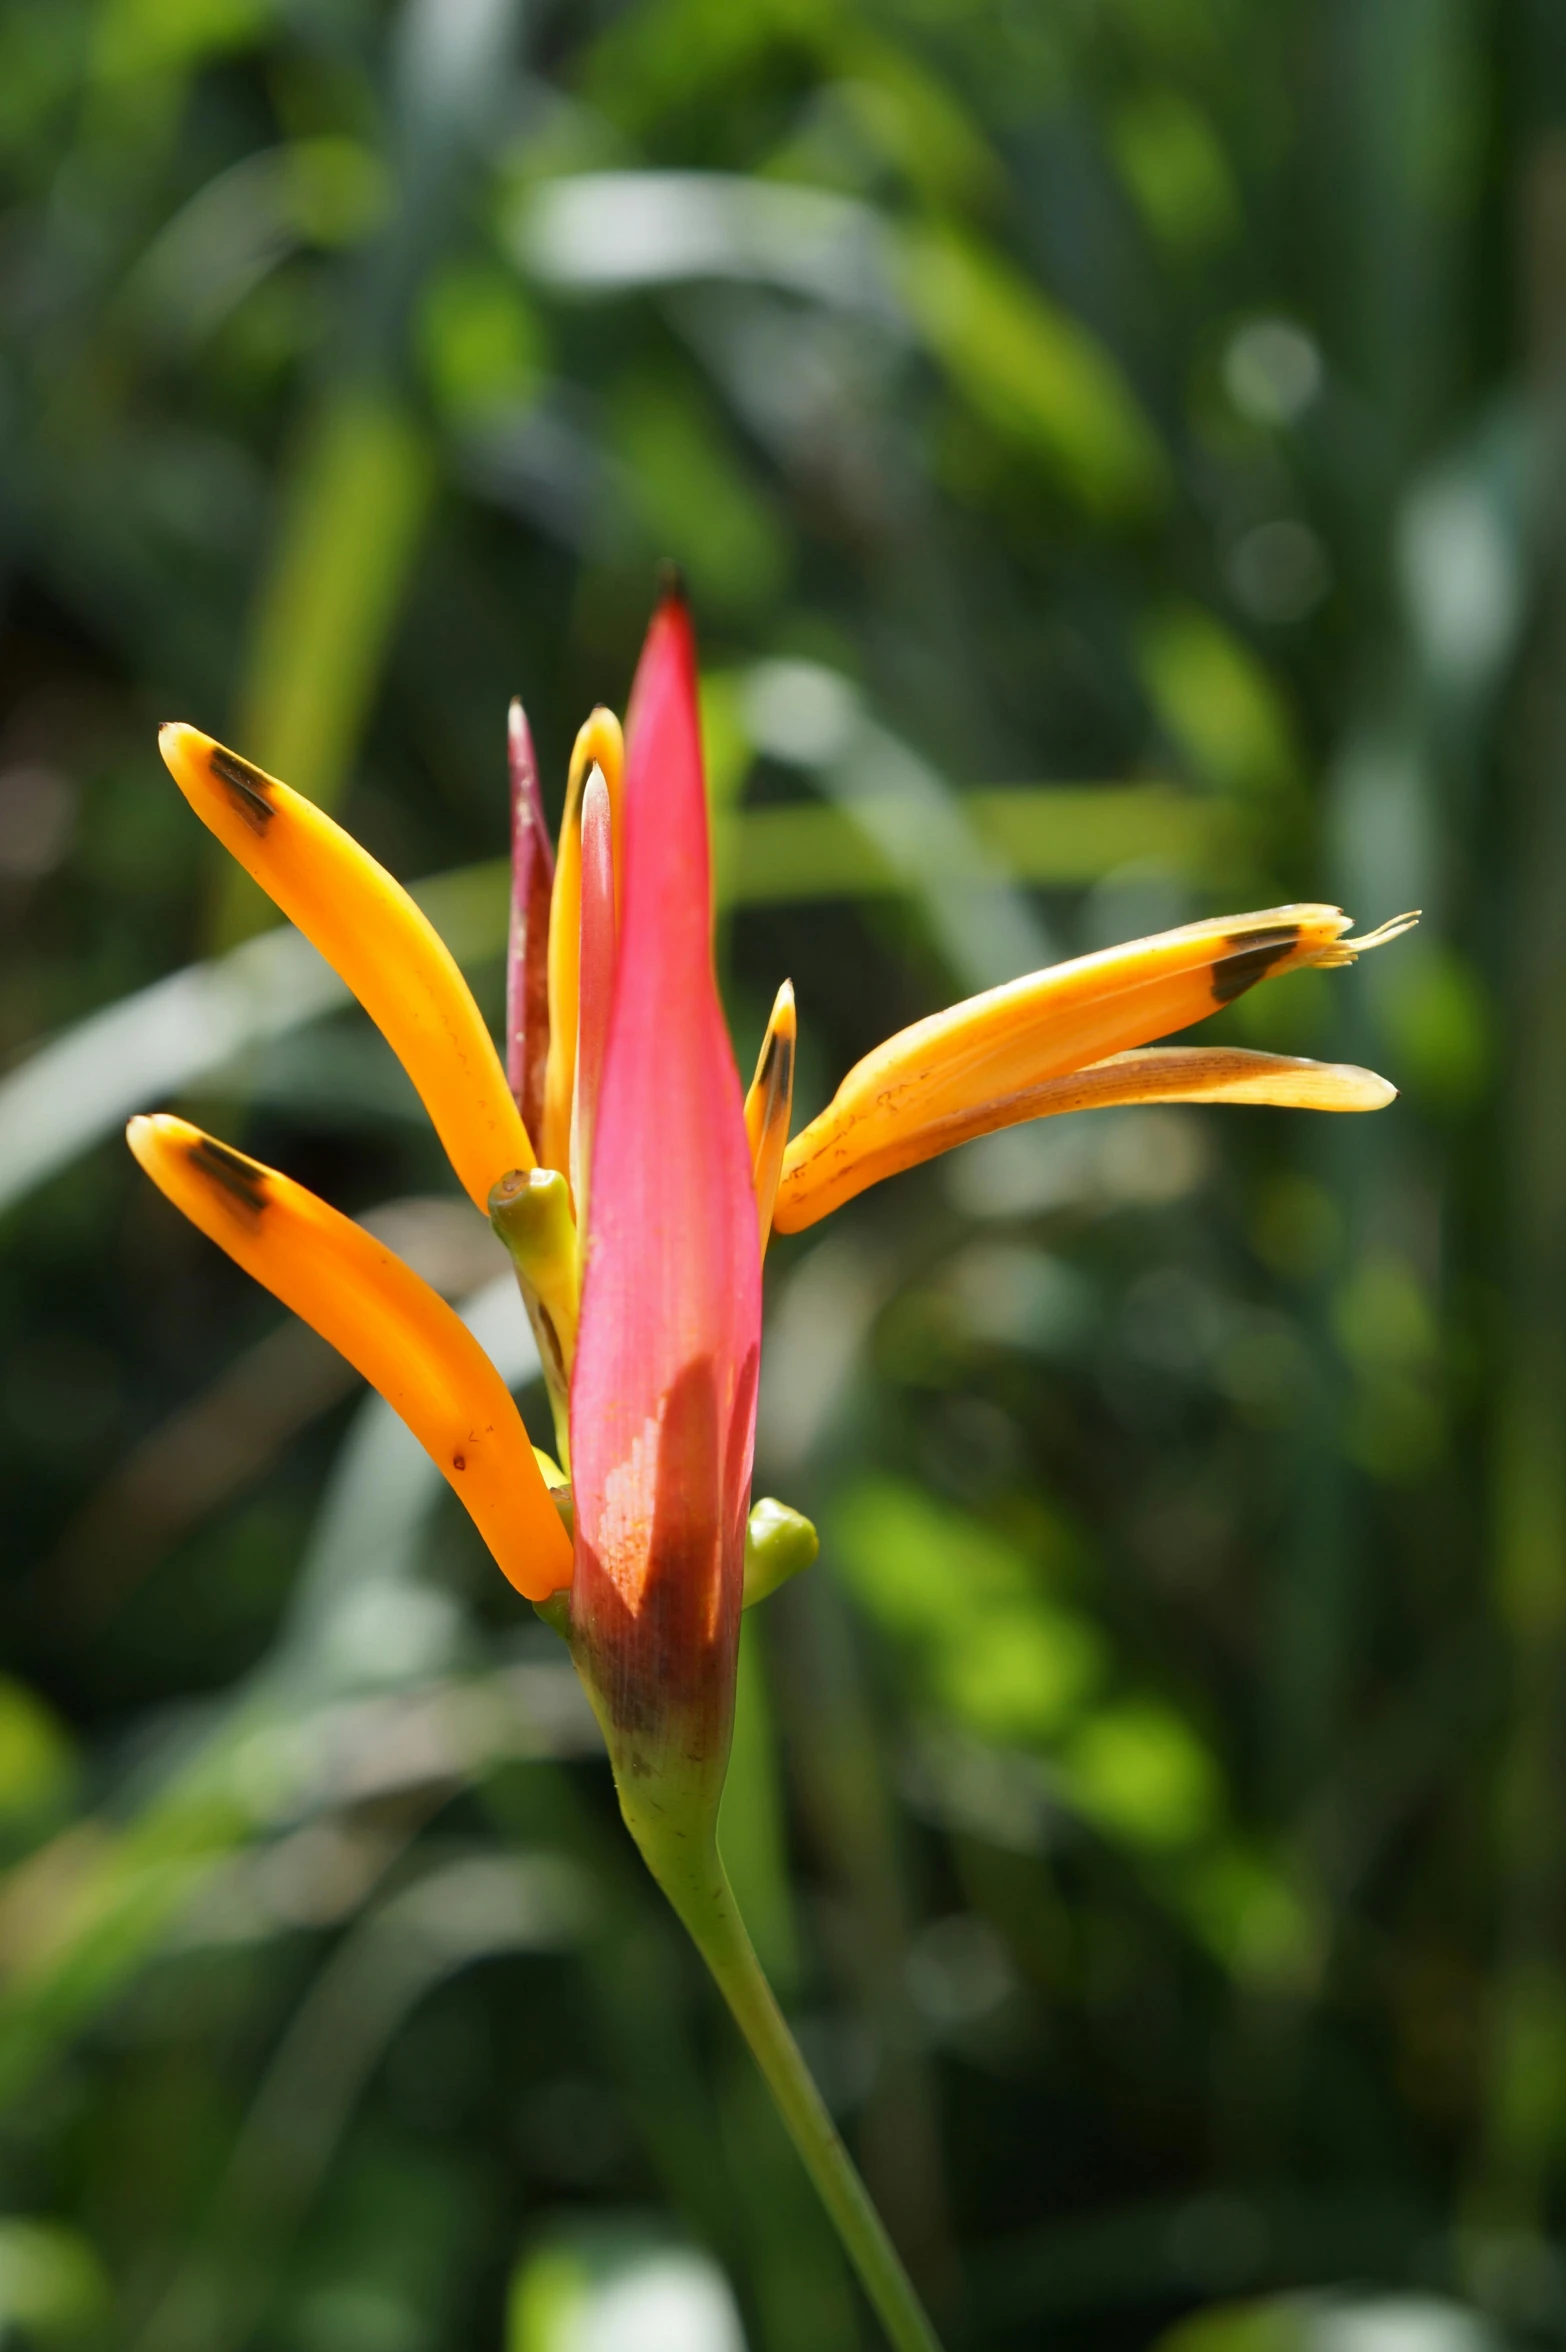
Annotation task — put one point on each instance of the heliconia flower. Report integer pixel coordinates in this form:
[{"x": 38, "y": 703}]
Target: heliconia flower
[
  {"x": 635, "y": 1189},
  {"x": 619, "y": 1161}
]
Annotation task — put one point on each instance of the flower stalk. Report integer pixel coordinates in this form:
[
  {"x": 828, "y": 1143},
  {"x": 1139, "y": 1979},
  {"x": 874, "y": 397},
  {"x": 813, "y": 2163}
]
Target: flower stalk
[{"x": 697, "y": 1887}]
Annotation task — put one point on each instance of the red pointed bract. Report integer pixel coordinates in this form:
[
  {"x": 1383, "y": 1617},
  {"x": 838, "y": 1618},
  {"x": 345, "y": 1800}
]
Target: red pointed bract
[
  {"x": 664, "y": 1387},
  {"x": 527, "y": 951}
]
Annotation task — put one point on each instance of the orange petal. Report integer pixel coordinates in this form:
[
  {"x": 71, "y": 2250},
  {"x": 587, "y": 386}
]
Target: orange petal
[
  {"x": 959, "y": 1073},
  {"x": 391, "y": 1327},
  {"x": 1152, "y": 1074},
  {"x": 1214, "y": 1073},
  {"x": 600, "y": 744},
  {"x": 375, "y": 938},
  {"x": 769, "y": 1103}
]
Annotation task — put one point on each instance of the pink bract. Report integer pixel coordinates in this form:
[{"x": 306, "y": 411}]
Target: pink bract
[{"x": 663, "y": 1393}]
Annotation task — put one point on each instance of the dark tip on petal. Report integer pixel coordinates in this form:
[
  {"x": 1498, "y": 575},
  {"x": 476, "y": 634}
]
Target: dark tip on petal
[
  {"x": 243, "y": 1180},
  {"x": 777, "y": 1063},
  {"x": 1249, "y": 957},
  {"x": 247, "y": 787},
  {"x": 671, "y": 583}
]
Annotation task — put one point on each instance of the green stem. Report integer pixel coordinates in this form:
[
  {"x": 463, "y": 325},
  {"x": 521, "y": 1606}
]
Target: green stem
[{"x": 704, "y": 1900}]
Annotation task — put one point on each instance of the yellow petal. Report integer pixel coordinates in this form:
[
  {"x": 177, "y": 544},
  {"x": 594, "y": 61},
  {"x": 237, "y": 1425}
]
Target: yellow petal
[
  {"x": 962, "y": 1072},
  {"x": 391, "y": 1326},
  {"x": 371, "y": 933},
  {"x": 768, "y": 1105},
  {"x": 599, "y": 744},
  {"x": 1214, "y": 1073},
  {"x": 1152, "y": 1074}
]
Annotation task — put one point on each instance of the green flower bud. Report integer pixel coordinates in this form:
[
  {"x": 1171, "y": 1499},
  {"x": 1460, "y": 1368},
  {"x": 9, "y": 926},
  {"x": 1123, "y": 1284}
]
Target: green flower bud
[{"x": 778, "y": 1543}]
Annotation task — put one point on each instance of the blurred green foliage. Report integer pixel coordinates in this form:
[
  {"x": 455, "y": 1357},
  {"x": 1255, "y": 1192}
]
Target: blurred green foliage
[{"x": 1115, "y": 448}]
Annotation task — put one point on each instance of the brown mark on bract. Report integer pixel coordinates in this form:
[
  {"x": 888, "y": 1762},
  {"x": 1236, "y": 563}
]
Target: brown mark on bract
[
  {"x": 777, "y": 1066},
  {"x": 1248, "y": 957},
  {"x": 247, "y": 787},
  {"x": 241, "y": 1179},
  {"x": 459, "y": 1461}
]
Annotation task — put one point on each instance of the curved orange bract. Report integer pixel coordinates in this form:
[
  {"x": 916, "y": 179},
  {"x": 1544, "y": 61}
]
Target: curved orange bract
[
  {"x": 376, "y": 939},
  {"x": 1151, "y": 1074},
  {"x": 389, "y": 1324},
  {"x": 971, "y": 1068}
]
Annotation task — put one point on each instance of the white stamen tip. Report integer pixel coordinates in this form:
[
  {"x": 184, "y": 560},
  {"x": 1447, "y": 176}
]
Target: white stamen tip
[{"x": 1387, "y": 931}]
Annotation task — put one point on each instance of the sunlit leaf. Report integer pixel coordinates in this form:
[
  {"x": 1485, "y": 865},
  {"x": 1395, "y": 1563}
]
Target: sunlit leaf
[
  {"x": 989, "y": 1644},
  {"x": 1175, "y": 168},
  {"x": 37, "y": 1759},
  {"x": 1142, "y": 1772},
  {"x": 1217, "y": 702},
  {"x": 53, "y": 2288},
  {"x": 1033, "y": 373}
]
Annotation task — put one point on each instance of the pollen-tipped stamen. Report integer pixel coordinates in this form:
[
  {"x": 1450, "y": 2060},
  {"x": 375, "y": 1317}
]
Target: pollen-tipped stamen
[{"x": 1348, "y": 951}]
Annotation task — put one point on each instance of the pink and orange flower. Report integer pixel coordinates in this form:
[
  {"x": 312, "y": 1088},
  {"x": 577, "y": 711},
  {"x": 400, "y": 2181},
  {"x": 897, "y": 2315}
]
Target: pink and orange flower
[{"x": 636, "y": 1185}]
